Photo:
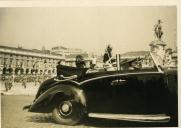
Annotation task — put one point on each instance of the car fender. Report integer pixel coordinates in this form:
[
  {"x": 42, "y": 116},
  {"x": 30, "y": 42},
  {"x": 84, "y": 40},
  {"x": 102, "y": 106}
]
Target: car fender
[{"x": 68, "y": 89}]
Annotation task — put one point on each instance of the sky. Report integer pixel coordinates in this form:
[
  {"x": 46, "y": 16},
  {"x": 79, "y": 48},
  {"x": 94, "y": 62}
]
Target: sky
[{"x": 125, "y": 28}]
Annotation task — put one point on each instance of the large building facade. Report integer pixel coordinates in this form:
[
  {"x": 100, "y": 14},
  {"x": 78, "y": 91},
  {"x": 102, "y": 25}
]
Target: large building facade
[
  {"x": 26, "y": 61},
  {"x": 66, "y": 51}
]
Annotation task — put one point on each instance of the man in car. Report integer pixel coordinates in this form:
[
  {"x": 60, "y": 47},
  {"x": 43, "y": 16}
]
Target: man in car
[
  {"x": 93, "y": 63},
  {"x": 80, "y": 62},
  {"x": 58, "y": 68}
]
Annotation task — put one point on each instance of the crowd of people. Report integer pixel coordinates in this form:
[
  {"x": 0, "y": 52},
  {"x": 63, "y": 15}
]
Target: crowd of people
[{"x": 10, "y": 80}]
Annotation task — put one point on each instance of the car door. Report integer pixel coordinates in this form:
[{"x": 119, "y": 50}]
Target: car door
[
  {"x": 139, "y": 93},
  {"x": 98, "y": 94},
  {"x": 128, "y": 94},
  {"x": 115, "y": 93}
]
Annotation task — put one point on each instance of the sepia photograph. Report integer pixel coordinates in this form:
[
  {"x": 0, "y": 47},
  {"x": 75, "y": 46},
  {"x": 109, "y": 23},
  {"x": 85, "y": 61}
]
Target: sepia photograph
[{"x": 89, "y": 66}]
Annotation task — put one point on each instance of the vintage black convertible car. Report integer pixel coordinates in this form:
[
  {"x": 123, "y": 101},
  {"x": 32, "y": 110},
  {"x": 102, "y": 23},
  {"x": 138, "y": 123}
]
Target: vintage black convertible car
[{"x": 143, "y": 95}]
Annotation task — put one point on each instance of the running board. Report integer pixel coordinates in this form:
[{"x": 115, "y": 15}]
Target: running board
[{"x": 132, "y": 117}]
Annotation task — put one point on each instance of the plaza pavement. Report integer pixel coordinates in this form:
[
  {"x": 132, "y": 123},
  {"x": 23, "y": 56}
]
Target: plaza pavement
[{"x": 18, "y": 89}]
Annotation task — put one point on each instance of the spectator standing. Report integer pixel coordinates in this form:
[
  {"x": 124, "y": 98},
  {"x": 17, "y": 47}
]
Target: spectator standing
[
  {"x": 24, "y": 81},
  {"x": 36, "y": 79},
  {"x": 40, "y": 78},
  {"x": 8, "y": 82}
]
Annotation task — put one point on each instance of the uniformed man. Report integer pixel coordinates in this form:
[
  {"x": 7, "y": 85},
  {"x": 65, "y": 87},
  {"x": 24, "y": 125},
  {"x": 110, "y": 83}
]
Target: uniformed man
[
  {"x": 24, "y": 81},
  {"x": 6, "y": 82},
  {"x": 36, "y": 79}
]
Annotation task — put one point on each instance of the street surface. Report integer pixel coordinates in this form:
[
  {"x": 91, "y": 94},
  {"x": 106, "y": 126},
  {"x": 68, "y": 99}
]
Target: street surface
[
  {"x": 18, "y": 89},
  {"x": 12, "y": 115}
]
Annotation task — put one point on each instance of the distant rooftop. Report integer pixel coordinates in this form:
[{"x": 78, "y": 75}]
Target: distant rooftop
[
  {"x": 59, "y": 47},
  {"x": 135, "y": 54},
  {"x": 28, "y": 50},
  {"x": 62, "y": 47},
  {"x": 74, "y": 55}
]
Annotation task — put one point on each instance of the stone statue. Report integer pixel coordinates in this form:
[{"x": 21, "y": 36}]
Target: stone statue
[
  {"x": 108, "y": 54},
  {"x": 158, "y": 30}
]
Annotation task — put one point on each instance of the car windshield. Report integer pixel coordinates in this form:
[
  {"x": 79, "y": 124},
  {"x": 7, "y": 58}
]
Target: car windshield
[
  {"x": 150, "y": 61},
  {"x": 144, "y": 62}
]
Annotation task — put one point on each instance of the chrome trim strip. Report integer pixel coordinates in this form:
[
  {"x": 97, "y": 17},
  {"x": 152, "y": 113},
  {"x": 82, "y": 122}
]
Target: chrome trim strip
[
  {"x": 132, "y": 117},
  {"x": 118, "y": 75},
  {"x": 134, "y": 73},
  {"x": 79, "y": 83},
  {"x": 75, "y": 82}
]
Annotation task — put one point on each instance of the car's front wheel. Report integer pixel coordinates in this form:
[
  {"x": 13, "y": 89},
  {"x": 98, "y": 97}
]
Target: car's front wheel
[{"x": 68, "y": 112}]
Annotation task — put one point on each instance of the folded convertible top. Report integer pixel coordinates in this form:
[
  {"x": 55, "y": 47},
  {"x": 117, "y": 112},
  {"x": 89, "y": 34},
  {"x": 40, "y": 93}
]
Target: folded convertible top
[{"x": 68, "y": 70}]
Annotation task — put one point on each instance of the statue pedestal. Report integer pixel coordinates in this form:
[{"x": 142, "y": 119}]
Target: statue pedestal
[{"x": 158, "y": 47}]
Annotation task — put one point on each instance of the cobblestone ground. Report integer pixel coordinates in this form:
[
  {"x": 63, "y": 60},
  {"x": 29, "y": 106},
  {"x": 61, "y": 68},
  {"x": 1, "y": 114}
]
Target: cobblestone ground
[
  {"x": 18, "y": 89},
  {"x": 14, "y": 117}
]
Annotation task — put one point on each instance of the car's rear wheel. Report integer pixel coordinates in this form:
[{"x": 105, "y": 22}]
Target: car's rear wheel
[{"x": 68, "y": 112}]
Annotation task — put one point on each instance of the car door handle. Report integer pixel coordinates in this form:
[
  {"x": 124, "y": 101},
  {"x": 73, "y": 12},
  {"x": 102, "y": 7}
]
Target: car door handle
[{"x": 118, "y": 82}]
